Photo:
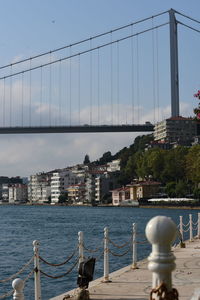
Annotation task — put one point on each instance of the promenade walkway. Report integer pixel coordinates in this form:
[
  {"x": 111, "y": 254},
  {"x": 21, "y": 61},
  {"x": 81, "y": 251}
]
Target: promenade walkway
[{"x": 136, "y": 284}]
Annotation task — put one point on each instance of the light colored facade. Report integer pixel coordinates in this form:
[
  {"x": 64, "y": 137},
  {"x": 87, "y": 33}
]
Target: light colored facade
[
  {"x": 143, "y": 189},
  {"x": 5, "y": 192},
  {"x": 76, "y": 193},
  {"x": 113, "y": 166},
  {"x": 18, "y": 193},
  {"x": 39, "y": 188},
  {"x": 175, "y": 129},
  {"x": 120, "y": 195},
  {"x": 103, "y": 185},
  {"x": 60, "y": 181}
]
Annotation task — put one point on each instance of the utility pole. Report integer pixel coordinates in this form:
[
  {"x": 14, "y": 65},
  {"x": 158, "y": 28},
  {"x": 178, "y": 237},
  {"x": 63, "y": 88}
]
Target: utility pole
[{"x": 174, "y": 64}]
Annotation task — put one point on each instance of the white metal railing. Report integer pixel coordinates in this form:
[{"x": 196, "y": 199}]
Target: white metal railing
[{"x": 193, "y": 228}]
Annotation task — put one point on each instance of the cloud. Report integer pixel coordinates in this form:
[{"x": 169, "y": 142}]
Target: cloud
[{"x": 24, "y": 155}]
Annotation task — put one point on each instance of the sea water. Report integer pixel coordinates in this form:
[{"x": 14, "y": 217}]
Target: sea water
[{"x": 57, "y": 227}]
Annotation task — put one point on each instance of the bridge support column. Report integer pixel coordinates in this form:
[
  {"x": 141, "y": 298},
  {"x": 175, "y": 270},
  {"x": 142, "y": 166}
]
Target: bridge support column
[{"x": 174, "y": 65}]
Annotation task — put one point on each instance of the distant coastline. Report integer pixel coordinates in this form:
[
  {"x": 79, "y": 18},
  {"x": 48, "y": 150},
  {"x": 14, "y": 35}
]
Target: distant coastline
[{"x": 161, "y": 206}]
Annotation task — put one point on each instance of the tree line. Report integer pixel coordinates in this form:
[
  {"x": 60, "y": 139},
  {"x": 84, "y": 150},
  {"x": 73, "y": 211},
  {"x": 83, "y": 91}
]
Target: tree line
[{"x": 178, "y": 169}]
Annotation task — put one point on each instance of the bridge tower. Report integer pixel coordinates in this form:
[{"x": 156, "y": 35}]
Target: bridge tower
[{"x": 174, "y": 64}]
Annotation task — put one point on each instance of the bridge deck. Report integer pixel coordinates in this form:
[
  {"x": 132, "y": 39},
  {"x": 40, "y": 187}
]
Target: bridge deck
[
  {"x": 77, "y": 129},
  {"x": 136, "y": 284}
]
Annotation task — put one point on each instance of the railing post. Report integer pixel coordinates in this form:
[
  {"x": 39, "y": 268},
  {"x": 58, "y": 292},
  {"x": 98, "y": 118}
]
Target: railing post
[
  {"x": 106, "y": 256},
  {"x": 134, "y": 264},
  {"x": 161, "y": 232},
  {"x": 181, "y": 226},
  {"x": 18, "y": 286},
  {"x": 191, "y": 233},
  {"x": 80, "y": 246},
  {"x": 198, "y": 233},
  {"x": 37, "y": 270}
]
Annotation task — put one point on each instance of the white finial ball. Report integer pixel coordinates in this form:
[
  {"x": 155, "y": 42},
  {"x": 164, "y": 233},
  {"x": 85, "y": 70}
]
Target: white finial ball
[
  {"x": 36, "y": 243},
  {"x": 161, "y": 230},
  {"x": 18, "y": 284}
]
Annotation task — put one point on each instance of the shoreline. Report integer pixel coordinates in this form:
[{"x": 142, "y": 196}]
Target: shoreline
[{"x": 105, "y": 205}]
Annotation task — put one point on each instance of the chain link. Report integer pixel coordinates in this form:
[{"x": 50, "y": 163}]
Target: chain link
[
  {"x": 142, "y": 242},
  {"x": 162, "y": 293},
  {"x": 116, "y": 254},
  {"x": 186, "y": 224},
  {"x": 195, "y": 228},
  {"x": 119, "y": 246},
  {"x": 92, "y": 251},
  {"x": 195, "y": 223},
  {"x": 28, "y": 276},
  {"x": 19, "y": 272},
  {"x": 62, "y": 275},
  {"x": 186, "y": 230},
  {"x": 7, "y": 294},
  {"x": 61, "y": 264}
]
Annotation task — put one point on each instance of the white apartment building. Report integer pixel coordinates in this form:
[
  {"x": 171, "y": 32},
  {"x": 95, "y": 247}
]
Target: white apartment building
[
  {"x": 39, "y": 188},
  {"x": 60, "y": 181},
  {"x": 5, "y": 192},
  {"x": 175, "y": 129},
  {"x": 18, "y": 193},
  {"x": 113, "y": 166}
]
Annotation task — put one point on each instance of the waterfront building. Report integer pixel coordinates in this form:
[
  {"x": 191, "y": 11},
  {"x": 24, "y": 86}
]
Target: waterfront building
[
  {"x": 5, "y": 192},
  {"x": 98, "y": 185},
  {"x": 131, "y": 193},
  {"x": 143, "y": 189},
  {"x": 18, "y": 193},
  {"x": 103, "y": 186},
  {"x": 120, "y": 195},
  {"x": 76, "y": 193},
  {"x": 179, "y": 130},
  {"x": 61, "y": 180},
  {"x": 4, "y": 186},
  {"x": 39, "y": 187}
]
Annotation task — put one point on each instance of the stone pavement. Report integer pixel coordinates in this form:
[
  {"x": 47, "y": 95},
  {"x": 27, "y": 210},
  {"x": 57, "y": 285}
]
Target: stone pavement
[{"x": 136, "y": 284}]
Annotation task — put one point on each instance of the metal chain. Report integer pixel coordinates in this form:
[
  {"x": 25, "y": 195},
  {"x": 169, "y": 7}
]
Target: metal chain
[
  {"x": 62, "y": 275},
  {"x": 195, "y": 223},
  {"x": 186, "y": 224},
  {"x": 116, "y": 254},
  {"x": 92, "y": 251},
  {"x": 7, "y": 294},
  {"x": 29, "y": 275},
  {"x": 162, "y": 293},
  {"x": 186, "y": 230},
  {"x": 119, "y": 246},
  {"x": 61, "y": 264},
  {"x": 142, "y": 242},
  {"x": 19, "y": 272},
  {"x": 195, "y": 228}
]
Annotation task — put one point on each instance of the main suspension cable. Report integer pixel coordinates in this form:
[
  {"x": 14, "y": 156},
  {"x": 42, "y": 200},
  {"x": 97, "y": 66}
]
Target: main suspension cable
[
  {"x": 83, "y": 41},
  {"x": 86, "y": 51},
  {"x": 190, "y": 27}
]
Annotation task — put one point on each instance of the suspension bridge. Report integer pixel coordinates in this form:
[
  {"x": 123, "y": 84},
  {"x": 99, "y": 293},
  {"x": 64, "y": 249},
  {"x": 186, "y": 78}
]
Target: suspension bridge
[{"x": 96, "y": 84}]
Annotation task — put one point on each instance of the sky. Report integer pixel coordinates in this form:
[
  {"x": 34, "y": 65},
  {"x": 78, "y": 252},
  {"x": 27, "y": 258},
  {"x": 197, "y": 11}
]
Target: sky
[{"x": 31, "y": 27}]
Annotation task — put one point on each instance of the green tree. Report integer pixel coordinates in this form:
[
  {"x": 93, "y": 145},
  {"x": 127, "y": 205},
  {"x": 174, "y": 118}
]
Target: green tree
[
  {"x": 175, "y": 167},
  {"x": 86, "y": 160},
  {"x": 181, "y": 189},
  {"x": 193, "y": 164},
  {"x": 62, "y": 198},
  {"x": 106, "y": 157},
  {"x": 171, "y": 189}
]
